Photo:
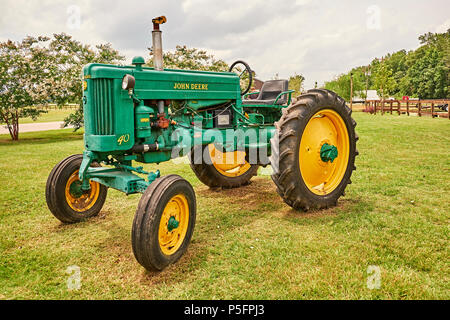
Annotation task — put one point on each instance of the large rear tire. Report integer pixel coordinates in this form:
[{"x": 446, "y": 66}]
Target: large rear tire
[
  {"x": 212, "y": 168},
  {"x": 313, "y": 154}
]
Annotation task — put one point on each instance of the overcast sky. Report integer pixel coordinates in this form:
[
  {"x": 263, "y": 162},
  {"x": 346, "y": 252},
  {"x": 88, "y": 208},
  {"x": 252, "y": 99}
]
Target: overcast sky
[{"x": 319, "y": 39}]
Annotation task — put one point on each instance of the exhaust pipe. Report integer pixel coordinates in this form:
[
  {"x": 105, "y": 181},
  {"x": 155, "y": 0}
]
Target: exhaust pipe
[
  {"x": 158, "y": 63},
  {"x": 157, "y": 43}
]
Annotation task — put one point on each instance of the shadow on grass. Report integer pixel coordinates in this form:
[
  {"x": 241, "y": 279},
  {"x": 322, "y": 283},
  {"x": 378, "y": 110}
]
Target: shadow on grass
[
  {"x": 261, "y": 198},
  {"x": 344, "y": 210},
  {"x": 260, "y": 193},
  {"x": 240, "y": 208},
  {"x": 220, "y": 212},
  {"x": 192, "y": 260}
]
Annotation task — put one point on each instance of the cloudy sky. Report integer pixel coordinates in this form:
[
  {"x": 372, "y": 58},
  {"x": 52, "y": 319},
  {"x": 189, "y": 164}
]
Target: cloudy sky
[{"x": 319, "y": 39}]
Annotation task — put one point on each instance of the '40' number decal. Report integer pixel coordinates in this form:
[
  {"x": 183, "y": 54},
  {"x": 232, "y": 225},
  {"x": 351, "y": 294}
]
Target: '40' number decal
[{"x": 123, "y": 138}]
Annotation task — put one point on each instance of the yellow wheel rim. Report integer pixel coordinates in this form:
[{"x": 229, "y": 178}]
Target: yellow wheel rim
[
  {"x": 174, "y": 224},
  {"x": 78, "y": 200},
  {"x": 325, "y": 127},
  {"x": 229, "y": 164}
]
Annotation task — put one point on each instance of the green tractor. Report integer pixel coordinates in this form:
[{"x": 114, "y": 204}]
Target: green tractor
[{"x": 151, "y": 115}]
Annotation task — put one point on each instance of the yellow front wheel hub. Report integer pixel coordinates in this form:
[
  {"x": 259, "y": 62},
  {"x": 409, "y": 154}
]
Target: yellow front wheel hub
[
  {"x": 325, "y": 131},
  {"x": 78, "y": 200},
  {"x": 229, "y": 164},
  {"x": 173, "y": 224}
]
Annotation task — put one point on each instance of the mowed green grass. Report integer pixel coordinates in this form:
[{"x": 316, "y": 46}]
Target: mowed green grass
[
  {"x": 247, "y": 243},
  {"x": 51, "y": 115}
]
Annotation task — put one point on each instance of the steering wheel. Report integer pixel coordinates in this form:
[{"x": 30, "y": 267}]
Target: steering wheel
[{"x": 242, "y": 69}]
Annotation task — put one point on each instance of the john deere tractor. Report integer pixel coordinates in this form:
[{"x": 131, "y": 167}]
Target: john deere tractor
[{"x": 135, "y": 114}]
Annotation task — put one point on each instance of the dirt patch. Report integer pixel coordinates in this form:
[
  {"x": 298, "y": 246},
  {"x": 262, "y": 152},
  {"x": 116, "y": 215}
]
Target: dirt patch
[{"x": 260, "y": 193}]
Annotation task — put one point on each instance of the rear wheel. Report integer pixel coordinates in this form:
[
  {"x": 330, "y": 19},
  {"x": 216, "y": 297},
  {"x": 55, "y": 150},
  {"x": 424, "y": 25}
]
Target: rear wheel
[
  {"x": 313, "y": 154},
  {"x": 164, "y": 222},
  {"x": 221, "y": 169},
  {"x": 65, "y": 198}
]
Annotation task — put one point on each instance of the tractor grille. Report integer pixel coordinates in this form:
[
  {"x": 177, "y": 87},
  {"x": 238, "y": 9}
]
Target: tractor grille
[{"x": 102, "y": 110}]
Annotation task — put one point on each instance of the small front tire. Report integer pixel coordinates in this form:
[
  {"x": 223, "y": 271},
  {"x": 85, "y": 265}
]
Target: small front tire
[
  {"x": 65, "y": 199},
  {"x": 164, "y": 222}
]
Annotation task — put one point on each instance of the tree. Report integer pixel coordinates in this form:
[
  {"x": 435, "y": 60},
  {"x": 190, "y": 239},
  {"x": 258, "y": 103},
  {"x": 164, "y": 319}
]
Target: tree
[
  {"x": 25, "y": 79},
  {"x": 70, "y": 56},
  {"x": 296, "y": 83},
  {"x": 342, "y": 83},
  {"x": 384, "y": 81},
  {"x": 423, "y": 73},
  {"x": 191, "y": 59},
  {"x": 429, "y": 66},
  {"x": 42, "y": 70},
  {"x": 397, "y": 63}
]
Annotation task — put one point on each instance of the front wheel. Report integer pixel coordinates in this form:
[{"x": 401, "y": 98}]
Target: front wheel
[
  {"x": 313, "y": 152},
  {"x": 164, "y": 222},
  {"x": 65, "y": 198}
]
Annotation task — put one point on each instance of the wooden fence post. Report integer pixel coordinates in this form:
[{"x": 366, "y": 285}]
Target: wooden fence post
[
  {"x": 432, "y": 110},
  {"x": 390, "y": 106},
  {"x": 407, "y": 107},
  {"x": 419, "y": 107},
  {"x": 398, "y": 106}
]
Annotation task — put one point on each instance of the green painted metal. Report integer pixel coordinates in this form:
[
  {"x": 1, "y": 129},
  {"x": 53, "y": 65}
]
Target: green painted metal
[
  {"x": 116, "y": 120},
  {"x": 143, "y": 114},
  {"x": 108, "y": 116},
  {"x": 274, "y": 104},
  {"x": 75, "y": 189},
  {"x": 169, "y": 84},
  {"x": 328, "y": 152},
  {"x": 138, "y": 62},
  {"x": 249, "y": 94},
  {"x": 124, "y": 181},
  {"x": 256, "y": 118},
  {"x": 172, "y": 224},
  {"x": 122, "y": 178}
]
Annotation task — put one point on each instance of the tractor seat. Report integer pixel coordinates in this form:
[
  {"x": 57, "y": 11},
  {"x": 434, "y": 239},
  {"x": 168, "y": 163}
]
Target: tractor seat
[{"x": 269, "y": 93}]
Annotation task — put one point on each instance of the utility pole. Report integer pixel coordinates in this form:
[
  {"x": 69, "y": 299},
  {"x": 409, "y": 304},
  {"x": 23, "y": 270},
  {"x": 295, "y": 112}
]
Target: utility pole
[
  {"x": 366, "y": 72},
  {"x": 351, "y": 90},
  {"x": 381, "y": 85}
]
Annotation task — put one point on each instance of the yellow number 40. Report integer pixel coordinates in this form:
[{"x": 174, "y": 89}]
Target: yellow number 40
[{"x": 123, "y": 138}]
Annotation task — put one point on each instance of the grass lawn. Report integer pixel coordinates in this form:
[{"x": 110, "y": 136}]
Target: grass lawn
[
  {"x": 247, "y": 243},
  {"x": 51, "y": 116}
]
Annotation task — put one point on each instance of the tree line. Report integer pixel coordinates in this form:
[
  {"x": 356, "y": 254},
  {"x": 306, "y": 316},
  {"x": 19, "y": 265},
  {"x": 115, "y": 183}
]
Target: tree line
[
  {"x": 422, "y": 73},
  {"x": 41, "y": 70}
]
